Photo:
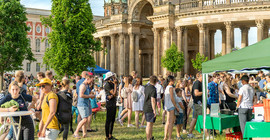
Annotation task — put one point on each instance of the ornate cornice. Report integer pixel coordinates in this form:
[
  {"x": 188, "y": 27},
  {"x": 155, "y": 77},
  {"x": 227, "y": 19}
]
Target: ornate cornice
[{"x": 223, "y": 10}]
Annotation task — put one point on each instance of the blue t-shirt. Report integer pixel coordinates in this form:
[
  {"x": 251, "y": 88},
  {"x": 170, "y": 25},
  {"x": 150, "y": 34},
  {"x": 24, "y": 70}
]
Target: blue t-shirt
[{"x": 261, "y": 83}]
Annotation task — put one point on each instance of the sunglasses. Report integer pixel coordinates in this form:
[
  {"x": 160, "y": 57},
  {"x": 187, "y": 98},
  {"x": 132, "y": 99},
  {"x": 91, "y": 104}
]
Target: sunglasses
[{"x": 42, "y": 86}]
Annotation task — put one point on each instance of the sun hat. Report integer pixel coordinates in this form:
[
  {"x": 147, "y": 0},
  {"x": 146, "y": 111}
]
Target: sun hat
[
  {"x": 44, "y": 81},
  {"x": 108, "y": 75}
]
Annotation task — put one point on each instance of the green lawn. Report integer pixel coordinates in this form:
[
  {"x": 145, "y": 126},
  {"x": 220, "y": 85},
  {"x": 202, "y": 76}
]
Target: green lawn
[{"x": 124, "y": 133}]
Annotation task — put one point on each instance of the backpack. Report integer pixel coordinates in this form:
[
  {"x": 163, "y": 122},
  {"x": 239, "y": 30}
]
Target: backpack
[
  {"x": 124, "y": 93},
  {"x": 64, "y": 107},
  {"x": 135, "y": 96}
]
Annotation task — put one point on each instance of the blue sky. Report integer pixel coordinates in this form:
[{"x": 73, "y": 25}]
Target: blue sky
[{"x": 97, "y": 9}]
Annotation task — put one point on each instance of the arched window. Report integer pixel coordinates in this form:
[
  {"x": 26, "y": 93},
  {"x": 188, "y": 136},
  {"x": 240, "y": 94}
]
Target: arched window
[
  {"x": 47, "y": 45},
  {"x": 37, "y": 45}
]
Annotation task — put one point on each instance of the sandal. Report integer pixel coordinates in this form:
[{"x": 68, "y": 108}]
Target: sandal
[
  {"x": 76, "y": 136},
  {"x": 84, "y": 136}
]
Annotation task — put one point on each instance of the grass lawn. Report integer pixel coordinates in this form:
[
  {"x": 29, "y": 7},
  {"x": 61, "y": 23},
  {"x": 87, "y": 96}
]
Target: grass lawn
[{"x": 124, "y": 133}]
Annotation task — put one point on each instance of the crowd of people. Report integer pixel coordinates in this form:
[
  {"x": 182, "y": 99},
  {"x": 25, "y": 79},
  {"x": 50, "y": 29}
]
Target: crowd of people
[{"x": 56, "y": 103}]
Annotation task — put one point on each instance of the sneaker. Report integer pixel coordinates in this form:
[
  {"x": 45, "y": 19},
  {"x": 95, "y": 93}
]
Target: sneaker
[
  {"x": 113, "y": 138},
  {"x": 184, "y": 131},
  {"x": 130, "y": 125},
  {"x": 210, "y": 138},
  {"x": 190, "y": 136},
  {"x": 142, "y": 126},
  {"x": 152, "y": 138},
  {"x": 120, "y": 122},
  {"x": 163, "y": 123}
]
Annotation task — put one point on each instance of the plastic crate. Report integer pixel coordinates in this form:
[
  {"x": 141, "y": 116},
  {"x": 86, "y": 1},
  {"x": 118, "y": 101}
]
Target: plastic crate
[{"x": 234, "y": 136}]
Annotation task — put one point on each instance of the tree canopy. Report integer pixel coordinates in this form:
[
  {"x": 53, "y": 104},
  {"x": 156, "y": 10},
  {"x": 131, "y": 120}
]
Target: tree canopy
[
  {"x": 14, "y": 45},
  {"x": 173, "y": 59},
  {"x": 197, "y": 62},
  {"x": 71, "y": 39}
]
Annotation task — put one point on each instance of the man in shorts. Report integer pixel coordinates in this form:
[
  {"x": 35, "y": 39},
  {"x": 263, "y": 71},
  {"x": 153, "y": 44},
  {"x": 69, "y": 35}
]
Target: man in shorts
[
  {"x": 197, "y": 103},
  {"x": 149, "y": 107}
]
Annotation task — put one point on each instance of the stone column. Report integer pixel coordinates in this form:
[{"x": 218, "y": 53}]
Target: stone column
[
  {"x": 201, "y": 38},
  {"x": 223, "y": 41},
  {"x": 185, "y": 44},
  {"x": 107, "y": 62},
  {"x": 266, "y": 32},
  {"x": 179, "y": 45},
  {"x": 207, "y": 43},
  {"x": 155, "y": 66},
  {"x": 168, "y": 31},
  {"x": 228, "y": 25},
  {"x": 260, "y": 25},
  {"x": 150, "y": 64},
  {"x": 121, "y": 62},
  {"x": 102, "y": 61},
  {"x": 112, "y": 53},
  {"x": 137, "y": 55},
  {"x": 244, "y": 34},
  {"x": 212, "y": 44},
  {"x": 131, "y": 53}
]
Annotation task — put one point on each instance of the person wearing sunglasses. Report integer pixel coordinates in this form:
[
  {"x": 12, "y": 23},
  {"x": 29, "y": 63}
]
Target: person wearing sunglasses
[{"x": 48, "y": 126}]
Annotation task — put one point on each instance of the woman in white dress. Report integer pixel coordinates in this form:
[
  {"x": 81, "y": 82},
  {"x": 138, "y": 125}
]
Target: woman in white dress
[{"x": 138, "y": 106}]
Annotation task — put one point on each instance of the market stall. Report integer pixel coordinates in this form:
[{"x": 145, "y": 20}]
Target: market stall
[{"x": 254, "y": 57}]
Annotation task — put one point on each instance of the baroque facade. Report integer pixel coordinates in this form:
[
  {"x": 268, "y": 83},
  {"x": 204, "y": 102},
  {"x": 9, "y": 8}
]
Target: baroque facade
[
  {"x": 136, "y": 33},
  {"x": 38, "y": 40}
]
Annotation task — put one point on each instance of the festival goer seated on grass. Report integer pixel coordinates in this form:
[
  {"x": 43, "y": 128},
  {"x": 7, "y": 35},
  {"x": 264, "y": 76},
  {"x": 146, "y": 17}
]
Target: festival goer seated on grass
[
  {"x": 197, "y": 103},
  {"x": 27, "y": 127},
  {"x": 170, "y": 106},
  {"x": 83, "y": 105},
  {"x": 149, "y": 106},
  {"x": 49, "y": 125},
  {"x": 179, "y": 115},
  {"x": 245, "y": 102},
  {"x": 138, "y": 106}
]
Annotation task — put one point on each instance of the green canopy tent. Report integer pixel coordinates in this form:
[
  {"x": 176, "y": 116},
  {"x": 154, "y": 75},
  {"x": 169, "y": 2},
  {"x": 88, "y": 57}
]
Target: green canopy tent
[{"x": 256, "y": 56}]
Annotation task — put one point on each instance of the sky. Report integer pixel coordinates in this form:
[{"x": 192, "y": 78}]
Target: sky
[{"x": 97, "y": 9}]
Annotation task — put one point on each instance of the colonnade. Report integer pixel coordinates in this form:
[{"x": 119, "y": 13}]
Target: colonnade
[{"x": 123, "y": 49}]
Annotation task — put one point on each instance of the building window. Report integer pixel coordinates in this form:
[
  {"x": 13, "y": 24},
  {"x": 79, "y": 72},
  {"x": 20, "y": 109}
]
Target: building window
[
  {"x": 29, "y": 41},
  {"x": 38, "y": 67},
  {"x": 28, "y": 67},
  {"x": 38, "y": 45},
  {"x": 47, "y": 68},
  {"x": 47, "y": 45},
  {"x": 38, "y": 29},
  {"x": 115, "y": 11},
  {"x": 47, "y": 30}
]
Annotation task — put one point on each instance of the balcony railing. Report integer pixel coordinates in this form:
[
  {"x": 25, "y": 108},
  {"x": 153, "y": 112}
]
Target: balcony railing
[{"x": 194, "y": 5}]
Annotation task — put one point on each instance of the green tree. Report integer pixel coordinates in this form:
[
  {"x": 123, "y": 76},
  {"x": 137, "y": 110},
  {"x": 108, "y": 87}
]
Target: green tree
[
  {"x": 173, "y": 59},
  {"x": 14, "y": 45},
  {"x": 71, "y": 39},
  {"x": 218, "y": 55},
  {"x": 197, "y": 63}
]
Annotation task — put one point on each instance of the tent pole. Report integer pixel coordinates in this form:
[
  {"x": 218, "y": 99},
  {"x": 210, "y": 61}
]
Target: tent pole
[{"x": 205, "y": 84}]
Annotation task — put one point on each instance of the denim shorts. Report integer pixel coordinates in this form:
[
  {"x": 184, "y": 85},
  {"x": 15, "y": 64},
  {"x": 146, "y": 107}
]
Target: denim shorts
[
  {"x": 84, "y": 111},
  {"x": 170, "y": 109},
  {"x": 179, "y": 119}
]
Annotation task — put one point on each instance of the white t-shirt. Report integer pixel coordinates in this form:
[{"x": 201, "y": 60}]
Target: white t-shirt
[
  {"x": 247, "y": 93},
  {"x": 102, "y": 96},
  {"x": 178, "y": 100},
  {"x": 159, "y": 89}
]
